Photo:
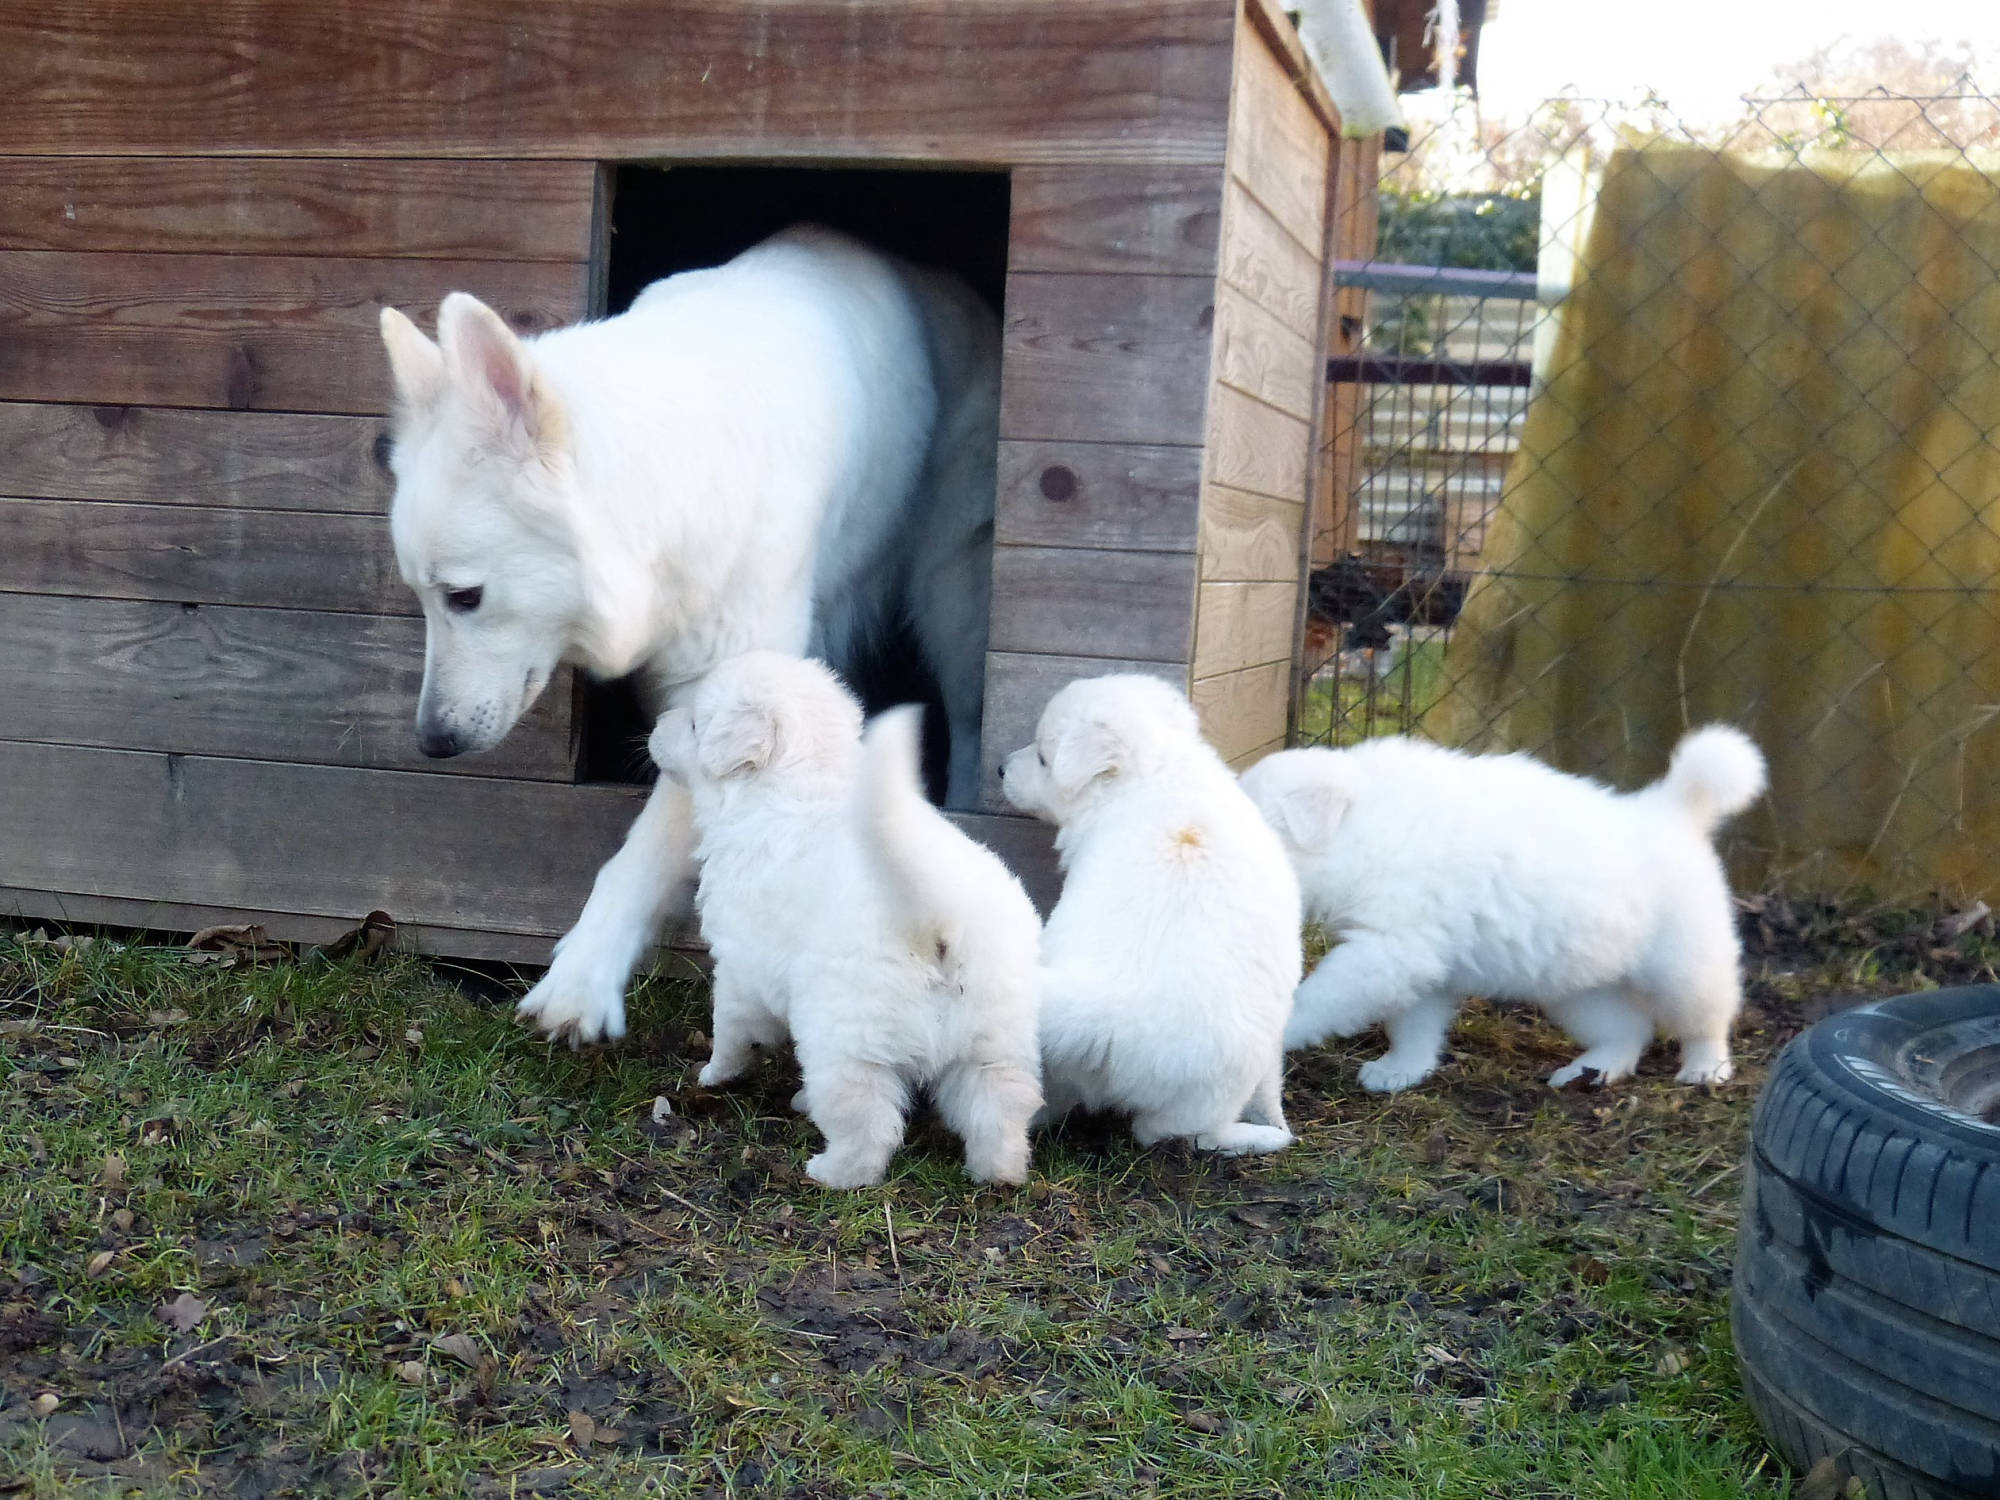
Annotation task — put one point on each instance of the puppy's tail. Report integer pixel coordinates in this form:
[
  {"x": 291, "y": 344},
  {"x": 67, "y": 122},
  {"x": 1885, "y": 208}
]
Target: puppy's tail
[
  {"x": 899, "y": 827},
  {"x": 1715, "y": 773}
]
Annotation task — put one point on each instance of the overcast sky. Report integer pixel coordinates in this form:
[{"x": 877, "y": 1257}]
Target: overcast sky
[{"x": 1701, "y": 55}]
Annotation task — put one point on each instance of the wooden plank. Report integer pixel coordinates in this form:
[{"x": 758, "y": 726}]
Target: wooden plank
[
  {"x": 1106, "y": 359},
  {"x": 992, "y": 81},
  {"x": 201, "y": 555},
  {"x": 1241, "y": 625},
  {"x": 1132, "y": 606},
  {"x": 1256, "y": 447},
  {"x": 276, "y": 333},
  {"x": 265, "y": 460},
  {"x": 1249, "y": 538},
  {"x": 1094, "y": 218},
  {"x": 1018, "y": 688},
  {"x": 1259, "y": 258},
  {"x": 1278, "y": 148},
  {"x": 1241, "y": 763},
  {"x": 478, "y": 210},
  {"x": 1127, "y": 496},
  {"x": 1274, "y": 25},
  {"x": 1244, "y": 712},
  {"x": 1261, "y": 357},
  {"x": 266, "y": 684},
  {"x": 456, "y": 852}
]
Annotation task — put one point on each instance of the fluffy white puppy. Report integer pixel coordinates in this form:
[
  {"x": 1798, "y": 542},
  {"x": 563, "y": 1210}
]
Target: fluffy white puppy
[
  {"x": 1169, "y": 963},
  {"x": 1445, "y": 875},
  {"x": 845, "y": 912}
]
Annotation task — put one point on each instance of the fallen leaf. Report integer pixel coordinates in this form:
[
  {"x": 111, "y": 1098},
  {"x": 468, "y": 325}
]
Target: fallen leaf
[
  {"x": 68, "y": 944},
  {"x": 582, "y": 1429},
  {"x": 1439, "y": 1355},
  {"x": 111, "y": 1176},
  {"x": 182, "y": 1314},
  {"x": 411, "y": 1372},
  {"x": 165, "y": 1017},
  {"x": 45, "y": 1403},
  {"x": 663, "y": 1110},
  {"x": 239, "y": 940},
  {"x": 1184, "y": 1335},
  {"x": 376, "y": 932},
  {"x": 1959, "y": 924},
  {"x": 39, "y": 938},
  {"x": 1203, "y": 1421},
  {"x": 99, "y": 1263},
  {"x": 122, "y": 1220},
  {"x": 459, "y": 1346},
  {"x": 1823, "y": 1481},
  {"x": 1256, "y": 1218},
  {"x": 414, "y": 1037},
  {"x": 1671, "y": 1362}
]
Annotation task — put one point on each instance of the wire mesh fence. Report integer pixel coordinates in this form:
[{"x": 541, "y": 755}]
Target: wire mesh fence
[{"x": 1686, "y": 424}]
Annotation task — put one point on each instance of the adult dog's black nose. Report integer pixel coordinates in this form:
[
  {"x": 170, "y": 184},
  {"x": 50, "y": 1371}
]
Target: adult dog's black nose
[
  {"x": 439, "y": 744},
  {"x": 1000, "y": 770}
]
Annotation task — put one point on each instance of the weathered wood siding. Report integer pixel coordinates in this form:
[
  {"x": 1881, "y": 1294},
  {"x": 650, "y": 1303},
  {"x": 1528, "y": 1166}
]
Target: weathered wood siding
[
  {"x": 1265, "y": 390},
  {"x": 207, "y": 661}
]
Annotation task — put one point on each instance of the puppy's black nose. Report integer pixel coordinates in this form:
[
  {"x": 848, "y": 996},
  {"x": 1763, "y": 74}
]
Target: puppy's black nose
[
  {"x": 439, "y": 744},
  {"x": 1000, "y": 770}
]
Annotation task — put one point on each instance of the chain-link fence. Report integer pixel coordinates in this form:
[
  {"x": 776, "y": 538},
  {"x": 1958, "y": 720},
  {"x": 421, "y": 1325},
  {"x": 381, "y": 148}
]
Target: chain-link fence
[{"x": 1650, "y": 425}]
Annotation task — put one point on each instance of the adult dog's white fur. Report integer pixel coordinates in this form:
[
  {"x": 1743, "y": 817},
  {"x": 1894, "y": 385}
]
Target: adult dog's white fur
[
  {"x": 1169, "y": 963},
  {"x": 1445, "y": 875},
  {"x": 793, "y": 451},
  {"x": 846, "y": 913}
]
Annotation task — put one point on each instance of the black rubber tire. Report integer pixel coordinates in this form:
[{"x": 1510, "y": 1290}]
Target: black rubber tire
[{"x": 1866, "y": 1304}]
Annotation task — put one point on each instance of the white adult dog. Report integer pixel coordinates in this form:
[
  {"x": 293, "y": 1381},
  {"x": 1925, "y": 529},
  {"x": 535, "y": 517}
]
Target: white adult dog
[
  {"x": 794, "y": 451},
  {"x": 846, "y": 913},
  {"x": 1169, "y": 963},
  {"x": 1445, "y": 875}
]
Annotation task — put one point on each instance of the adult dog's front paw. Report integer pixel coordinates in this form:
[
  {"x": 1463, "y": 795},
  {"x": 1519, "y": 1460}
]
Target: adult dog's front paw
[
  {"x": 1391, "y": 1075},
  {"x": 579, "y": 1000}
]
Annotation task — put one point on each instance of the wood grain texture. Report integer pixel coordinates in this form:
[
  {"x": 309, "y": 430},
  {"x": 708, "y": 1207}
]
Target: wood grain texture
[
  {"x": 1243, "y": 713},
  {"x": 264, "y": 684},
  {"x": 1261, "y": 357},
  {"x": 1278, "y": 147},
  {"x": 1249, "y": 538},
  {"x": 201, "y": 555},
  {"x": 452, "y": 852},
  {"x": 1241, "y": 625},
  {"x": 469, "y": 210},
  {"x": 274, "y": 333},
  {"x": 1018, "y": 688},
  {"x": 989, "y": 81},
  {"x": 1157, "y": 221},
  {"x": 1126, "y": 496},
  {"x": 1256, "y": 447},
  {"x": 1130, "y": 606},
  {"x": 1260, "y": 259},
  {"x": 261, "y": 460},
  {"x": 1270, "y": 20},
  {"x": 1106, "y": 359},
  {"x": 1241, "y": 763}
]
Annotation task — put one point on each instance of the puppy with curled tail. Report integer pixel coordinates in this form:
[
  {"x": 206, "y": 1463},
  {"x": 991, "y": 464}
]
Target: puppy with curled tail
[
  {"x": 1609, "y": 910},
  {"x": 847, "y": 915},
  {"x": 1169, "y": 963}
]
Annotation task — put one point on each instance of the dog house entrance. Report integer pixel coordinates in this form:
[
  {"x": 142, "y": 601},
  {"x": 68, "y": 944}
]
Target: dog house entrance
[{"x": 669, "y": 219}]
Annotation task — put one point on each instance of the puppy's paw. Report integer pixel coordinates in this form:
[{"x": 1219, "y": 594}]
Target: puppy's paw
[
  {"x": 1391, "y": 1075},
  {"x": 1706, "y": 1072},
  {"x": 800, "y": 1105},
  {"x": 578, "y": 1000},
  {"x": 713, "y": 1075},
  {"x": 829, "y": 1170},
  {"x": 1602, "y": 1074},
  {"x": 1005, "y": 1166},
  {"x": 1245, "y": 1139}
]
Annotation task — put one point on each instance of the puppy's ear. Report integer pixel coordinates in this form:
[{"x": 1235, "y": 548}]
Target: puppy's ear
[
  {"x": 495, "y": 370},
  {"x": 1310, "y": 815},
  {"x": 739, "y": 737},
  {"x": 1084, "y": 750},
  {"x": 415, "y": 364}
]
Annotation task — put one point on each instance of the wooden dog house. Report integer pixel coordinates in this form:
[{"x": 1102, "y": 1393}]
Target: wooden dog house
[{"x": 208, "y": 664}]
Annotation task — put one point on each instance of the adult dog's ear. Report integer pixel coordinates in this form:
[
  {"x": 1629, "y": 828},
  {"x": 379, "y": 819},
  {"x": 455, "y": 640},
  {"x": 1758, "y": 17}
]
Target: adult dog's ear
[
  {"x": 415, "y": 364},
  {"x": 487, "y": 362},
  {"x": 1310, "y": 815},
  {"x": 741, "y": 736},
  {"x": 1084, "y": 750}
]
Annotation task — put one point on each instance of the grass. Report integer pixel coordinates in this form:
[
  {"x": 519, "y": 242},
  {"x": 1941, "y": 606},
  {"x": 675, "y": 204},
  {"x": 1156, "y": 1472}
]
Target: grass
[
  {"x": 433, "y": 1257},
  {"x": 1344, "y": 708}
]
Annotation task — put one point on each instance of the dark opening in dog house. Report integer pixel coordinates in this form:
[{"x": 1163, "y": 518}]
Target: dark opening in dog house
[
  {"x": 208, "y": 662},
  {"x": 664, "y": 220}
]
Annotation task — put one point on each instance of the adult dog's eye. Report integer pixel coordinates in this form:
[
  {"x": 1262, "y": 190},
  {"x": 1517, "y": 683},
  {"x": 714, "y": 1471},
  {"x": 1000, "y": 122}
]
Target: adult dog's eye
[{"x": 463, "y": 601}]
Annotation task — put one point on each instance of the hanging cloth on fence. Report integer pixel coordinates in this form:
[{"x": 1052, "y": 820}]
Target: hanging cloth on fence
[{"x": 1761, "y": 485}]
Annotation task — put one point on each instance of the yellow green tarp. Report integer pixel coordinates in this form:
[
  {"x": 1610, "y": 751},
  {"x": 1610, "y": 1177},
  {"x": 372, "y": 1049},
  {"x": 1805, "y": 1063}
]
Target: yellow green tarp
[{"x": 1761, "y": 485}]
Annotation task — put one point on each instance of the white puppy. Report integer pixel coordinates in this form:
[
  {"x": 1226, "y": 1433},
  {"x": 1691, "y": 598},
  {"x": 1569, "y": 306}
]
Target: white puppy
[
  {"x": 793, "y": 451},
  {"x": 845, "y": 912},
  {"x": 1169, "y": 963},
  {"x": 1445, "y": 875}
]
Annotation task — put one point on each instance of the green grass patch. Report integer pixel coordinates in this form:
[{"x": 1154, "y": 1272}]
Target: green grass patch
[{"x": 330, "y": 1230}]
